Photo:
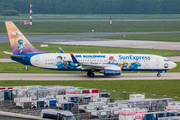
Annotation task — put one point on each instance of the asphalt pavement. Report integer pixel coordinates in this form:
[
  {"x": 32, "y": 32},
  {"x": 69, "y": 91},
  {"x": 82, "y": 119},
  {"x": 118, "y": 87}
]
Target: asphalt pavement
[{"x": 123, "y": 76}]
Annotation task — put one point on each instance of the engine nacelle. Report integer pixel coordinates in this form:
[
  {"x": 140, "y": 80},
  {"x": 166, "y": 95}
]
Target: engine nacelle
[{"x": 112, "y": 71}]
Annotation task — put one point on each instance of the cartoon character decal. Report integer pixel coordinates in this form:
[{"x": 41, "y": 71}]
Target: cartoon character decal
[
  {"x": 135, "y": 65},
  {"x": 21, "y": 44},
  {"x": 124, "y": 65},
  {"x": 112, "y": 61},
  {"x": 166, "y": 65},
  {"x": 62, "y": 63}
]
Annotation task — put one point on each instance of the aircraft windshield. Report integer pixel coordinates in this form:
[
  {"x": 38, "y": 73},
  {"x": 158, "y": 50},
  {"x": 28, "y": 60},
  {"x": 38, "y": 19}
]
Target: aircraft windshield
[
  {"x": 166, "y": 60},
  {"x": 70, "y": 118}
]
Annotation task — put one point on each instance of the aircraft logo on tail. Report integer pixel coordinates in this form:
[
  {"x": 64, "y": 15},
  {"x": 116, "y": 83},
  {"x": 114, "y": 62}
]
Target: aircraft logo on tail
[{"x": 19, "y": 44}]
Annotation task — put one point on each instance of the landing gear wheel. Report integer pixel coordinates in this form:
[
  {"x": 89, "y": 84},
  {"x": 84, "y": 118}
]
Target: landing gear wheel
[
  {"x": 91, "y": 74},
  {"x": 88, "y": 74},
  {"x": 159, "y": 75}
]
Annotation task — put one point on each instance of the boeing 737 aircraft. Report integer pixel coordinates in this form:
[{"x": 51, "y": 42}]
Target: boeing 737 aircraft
[{"x": 108, "y": 64}]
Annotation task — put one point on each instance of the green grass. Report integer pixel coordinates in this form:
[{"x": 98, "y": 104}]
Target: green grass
[
  {"x": 53, "y": 48},
  {"x": 97, "y": 26},
  {"x": 159, "y": 87},
  {"x": 153, "y": 37},
  {"x": 91, "y": 16},
  {"x": 20, "y": 68}
]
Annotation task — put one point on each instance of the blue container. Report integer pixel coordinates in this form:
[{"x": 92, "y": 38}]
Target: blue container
[
  {"x": 40, "y": 104},
  {"x": 6, "y": 94},
  {"x": 159, "y": 115},
  {"x": 67, "y": 106},
  {"x": 73, "y": 99},
  {"x": 106, "y": 95},
  {"x": 169, "y": 114},
  {"x": 149, "y": 116},
  {"x": 52, "y": 103}
]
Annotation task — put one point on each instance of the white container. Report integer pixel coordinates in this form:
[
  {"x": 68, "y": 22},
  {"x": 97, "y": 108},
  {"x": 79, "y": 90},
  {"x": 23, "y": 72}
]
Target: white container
[
  {"x": 172, "y": 108},
  {"x": 23, "y": 99},
  {"x": 127, "y": 114},
  {"x": 136, "y": 96}
]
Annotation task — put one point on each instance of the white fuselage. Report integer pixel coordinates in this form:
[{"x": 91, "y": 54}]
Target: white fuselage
[{"x": 127, "y": 62}]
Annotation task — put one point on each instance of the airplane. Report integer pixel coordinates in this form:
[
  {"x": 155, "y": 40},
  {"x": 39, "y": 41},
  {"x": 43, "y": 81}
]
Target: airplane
[{"x": 108, "y": 64}]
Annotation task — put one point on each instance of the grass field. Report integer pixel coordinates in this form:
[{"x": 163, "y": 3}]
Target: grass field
[
  {"x": 53, "y": 48},
  {"x": 160, "y": 87},
  {"x": 153, "y": 37},
  {"x": 97, "y": 26},
  {"x": 91, "y": 16}
]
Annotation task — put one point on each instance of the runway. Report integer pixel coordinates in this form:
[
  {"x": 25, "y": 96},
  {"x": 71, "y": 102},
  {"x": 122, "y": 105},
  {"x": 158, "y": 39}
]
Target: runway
[{"x": 64, "y": 77}]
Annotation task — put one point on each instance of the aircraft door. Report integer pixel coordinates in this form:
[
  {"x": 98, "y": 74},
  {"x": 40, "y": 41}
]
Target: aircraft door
[
  {"x": 37, "y": 60},
  {"x": 157, "y": 62}
]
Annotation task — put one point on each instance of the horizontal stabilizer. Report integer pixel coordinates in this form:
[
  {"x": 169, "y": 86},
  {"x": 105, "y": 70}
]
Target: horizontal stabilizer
[{"x": 13, "y": 55}]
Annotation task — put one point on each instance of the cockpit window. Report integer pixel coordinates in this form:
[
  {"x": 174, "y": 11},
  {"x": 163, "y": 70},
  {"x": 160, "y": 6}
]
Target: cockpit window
[{"x": 166, "y": 60}]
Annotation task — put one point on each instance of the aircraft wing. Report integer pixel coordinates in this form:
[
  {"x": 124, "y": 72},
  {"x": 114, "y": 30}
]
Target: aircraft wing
[
  {"x": 13, "y": 55},
  {"x": 90, "y": 66}
]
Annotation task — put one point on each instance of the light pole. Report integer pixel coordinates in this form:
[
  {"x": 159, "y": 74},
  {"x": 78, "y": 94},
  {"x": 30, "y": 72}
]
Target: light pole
[
  {"x": 113, "y": 94},
  {"x": 124, "y": 94}
]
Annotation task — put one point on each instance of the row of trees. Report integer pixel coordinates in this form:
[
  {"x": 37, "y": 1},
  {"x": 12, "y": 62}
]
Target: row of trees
[{"x": 93, "y": 6}]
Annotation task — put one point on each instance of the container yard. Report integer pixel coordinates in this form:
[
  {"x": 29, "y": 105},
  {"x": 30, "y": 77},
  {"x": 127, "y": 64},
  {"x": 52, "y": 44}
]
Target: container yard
[{"x": 86, "y": 103}]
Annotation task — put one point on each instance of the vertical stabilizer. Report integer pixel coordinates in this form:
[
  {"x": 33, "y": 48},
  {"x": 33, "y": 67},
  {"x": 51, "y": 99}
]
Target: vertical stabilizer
[{"x": 19, "y": 44}]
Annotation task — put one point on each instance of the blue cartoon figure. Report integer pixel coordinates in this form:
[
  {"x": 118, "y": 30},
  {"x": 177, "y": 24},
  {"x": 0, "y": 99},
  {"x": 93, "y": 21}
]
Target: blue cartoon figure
[
  {"x": 112, "y": 61},
  {"x": 60, "y": 62},
  {"x": 125, "y": 65},
  {"x": 134, "y": 65},
  {"x": 71, "y": 65},
  {"x": 21, "y": 45}
]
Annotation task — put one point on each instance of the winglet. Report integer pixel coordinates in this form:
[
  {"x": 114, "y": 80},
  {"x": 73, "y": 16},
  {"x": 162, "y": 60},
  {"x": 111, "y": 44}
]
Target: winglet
[
  {"x": 73, "y": 58},
  {"x": 61, "y": 51}
]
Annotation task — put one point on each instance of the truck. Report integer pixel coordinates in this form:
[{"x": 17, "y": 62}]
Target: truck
[{"x": 57, "y": 114}]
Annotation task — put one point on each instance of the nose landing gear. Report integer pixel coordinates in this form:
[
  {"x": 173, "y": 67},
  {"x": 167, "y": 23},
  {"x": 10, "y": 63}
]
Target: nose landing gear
[{"x": 159, "y": 74}]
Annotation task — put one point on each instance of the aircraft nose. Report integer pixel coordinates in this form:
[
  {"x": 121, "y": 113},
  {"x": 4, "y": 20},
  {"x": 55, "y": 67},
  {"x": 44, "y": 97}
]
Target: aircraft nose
[{"x": 173, "y": 65}]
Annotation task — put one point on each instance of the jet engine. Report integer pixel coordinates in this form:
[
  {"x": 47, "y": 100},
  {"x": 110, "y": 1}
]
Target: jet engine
[{"x": 112, "y": 71}]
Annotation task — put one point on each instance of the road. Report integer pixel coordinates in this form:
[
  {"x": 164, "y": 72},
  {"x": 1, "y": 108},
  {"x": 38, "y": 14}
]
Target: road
[{"x": 124, "y": 76}]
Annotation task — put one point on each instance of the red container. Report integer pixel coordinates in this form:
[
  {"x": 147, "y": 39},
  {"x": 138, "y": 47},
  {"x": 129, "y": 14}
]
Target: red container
[
  {"x": 85, "y": 91},
  {"x": 10, "y": 88},
  {"x": 2, "y": 88},
  {"x": 95, "y": 91}
]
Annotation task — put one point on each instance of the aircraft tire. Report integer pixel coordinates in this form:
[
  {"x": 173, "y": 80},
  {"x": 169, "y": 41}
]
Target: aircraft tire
[
  {"x": 91, "y": 74},
  {"x": 158, "y": 75}
]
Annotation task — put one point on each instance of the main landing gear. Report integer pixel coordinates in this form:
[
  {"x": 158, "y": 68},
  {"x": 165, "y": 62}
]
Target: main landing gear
[
  {"x": 90, "y": 74},
  {"x": 159, "y": 74}
]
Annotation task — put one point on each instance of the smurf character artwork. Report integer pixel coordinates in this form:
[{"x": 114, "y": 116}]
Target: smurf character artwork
[
  {"x": 21, "y": 45},
  {"x": 60, "y": 62},
  {"x": 112, "y": 61},
  {"x": 63, "y": 64},
  {"x": 134, "y": 65}
]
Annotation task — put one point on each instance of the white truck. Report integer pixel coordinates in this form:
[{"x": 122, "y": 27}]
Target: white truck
[{"x": 57, "y": 114}]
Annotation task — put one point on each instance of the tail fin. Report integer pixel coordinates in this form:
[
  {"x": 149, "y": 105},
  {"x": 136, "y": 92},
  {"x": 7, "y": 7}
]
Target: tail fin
[{"x": 19, "y": 44}]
